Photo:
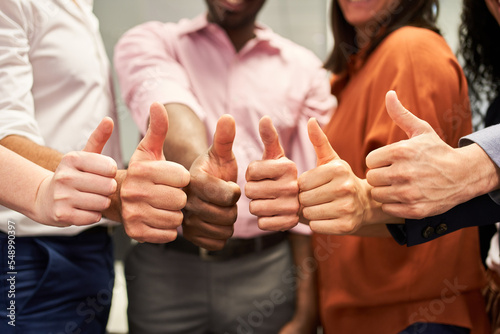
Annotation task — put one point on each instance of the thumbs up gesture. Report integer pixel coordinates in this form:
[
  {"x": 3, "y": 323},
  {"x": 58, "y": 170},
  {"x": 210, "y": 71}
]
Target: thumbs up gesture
[
  {"x": 151, "y": 193},
  {"x": 418, "y": 177},
  {"x": 211, "y": 208},
  {"x": 78, "y": 191},
  {"x": 333, "y": 199},
  {"x": 272, "y": 184}
]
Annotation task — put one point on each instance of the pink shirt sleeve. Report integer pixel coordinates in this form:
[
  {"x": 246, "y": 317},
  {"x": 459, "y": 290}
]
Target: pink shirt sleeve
[{"x": 148, "y": 72}]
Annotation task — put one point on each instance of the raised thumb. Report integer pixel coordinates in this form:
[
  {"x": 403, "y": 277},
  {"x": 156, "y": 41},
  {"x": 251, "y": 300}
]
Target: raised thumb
[
  {"x": 324, "y": 150},
  {"x": 409, "y": 123},
  {"x": 99, "y": 136},
  {"x": 157, "y": 131},
  {"x": 270, "y": 139},
  {"x": 225, "y": 132}
]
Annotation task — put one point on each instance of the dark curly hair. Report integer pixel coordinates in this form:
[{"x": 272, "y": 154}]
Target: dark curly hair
[
  {"x": 480, "y": 53},
  {"x": 418, "y": 13}
]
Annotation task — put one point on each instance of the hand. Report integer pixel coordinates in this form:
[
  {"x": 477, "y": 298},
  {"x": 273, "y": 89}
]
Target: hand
[
  {"x": 212, "y": 194},
  {"x": 332, "y": 197},
  {"x": 419, "y": 177},
  {"x": 151, "y": 193},
  {"x": 272, "y": 184},
  {"x": 78, "y": 190}
]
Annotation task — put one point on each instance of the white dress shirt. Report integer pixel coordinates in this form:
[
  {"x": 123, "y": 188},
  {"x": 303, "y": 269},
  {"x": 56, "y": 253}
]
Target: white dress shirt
[{"x": 55, "y": 84}]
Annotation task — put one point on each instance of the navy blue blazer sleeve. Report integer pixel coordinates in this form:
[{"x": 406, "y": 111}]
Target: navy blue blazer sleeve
[
  {"x": 479, "y": 211},
  {"x": 482, "y": 210}
]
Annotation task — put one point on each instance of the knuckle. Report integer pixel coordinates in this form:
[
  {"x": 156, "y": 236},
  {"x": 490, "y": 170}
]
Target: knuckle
[
  {"x": 339, "y": 167},
  {"x": 344, "y": 227},
  {"x": 138, "y": 169},
  {"x": 71, "y": 158},
  {"x": 307, "y": 213},
  {"x": 291, "y": 187}
]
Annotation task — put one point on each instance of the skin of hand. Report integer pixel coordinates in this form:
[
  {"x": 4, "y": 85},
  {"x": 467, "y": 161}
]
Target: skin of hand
[
  {"x": 272, "y": 184},
  {"x": 333, "y": 199},
  {"x": 212, "y": 194},
  {"x": 423, "y": 176},
  {"x": 151, "y": 193},
  {"x": 78, "y": 190}
]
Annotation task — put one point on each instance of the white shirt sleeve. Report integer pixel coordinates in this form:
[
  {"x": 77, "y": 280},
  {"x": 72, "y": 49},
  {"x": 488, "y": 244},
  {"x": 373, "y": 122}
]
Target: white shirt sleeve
[{"x": 17, "y": 115}]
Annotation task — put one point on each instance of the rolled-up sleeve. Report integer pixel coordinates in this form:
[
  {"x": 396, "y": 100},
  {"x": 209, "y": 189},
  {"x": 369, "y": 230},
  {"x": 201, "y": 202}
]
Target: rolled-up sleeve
[
  {"x": 148, "y": 72},
  {"x": 17, "y": 110}
]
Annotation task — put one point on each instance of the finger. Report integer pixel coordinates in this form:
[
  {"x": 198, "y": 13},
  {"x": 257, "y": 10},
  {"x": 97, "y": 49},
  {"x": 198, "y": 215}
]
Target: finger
[
  {"x": 210, "y": 213},
  {"x": 214, "y": 190},
  {"x": 379, "y": 177},
  {"x": 144, "y": 233},
  {"x": 90, "y": 202},
  {"x": 160, "y": 172},
  {"x": 274, "y": 207},
  {"x": 322, "y": 211},
  {"x": 163, "y": 219},
  {"x": 99, "y": 136},
  {"x": 330, "y": 226},
  {"x": 269, "y": 189},
  {"x": 79, "y": 217},
  {"x": 271, "y": 169},
  {"x": 144, "y": 216},
  {"x": 86, "y": 162},
  {"x": 390, "y": 194},
  {"x": 278, "y": 223},
  {"x": 324, "y": 150},
  {"x": 222, "y": 148},
  {"x": 319, "y": 195},
  {"x": 270, "y": 139},
  {"x": 381, "y": 157},
  {"x": 409, "y": 123},
  {"x": 318, "y": 176},
  {"x": 89, "y": 183},
  {"x": 157, "y": 131}
]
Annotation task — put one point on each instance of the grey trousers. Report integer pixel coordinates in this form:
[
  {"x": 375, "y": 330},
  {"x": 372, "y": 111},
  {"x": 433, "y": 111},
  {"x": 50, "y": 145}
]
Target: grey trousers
[{"x": 174, "y": 292}]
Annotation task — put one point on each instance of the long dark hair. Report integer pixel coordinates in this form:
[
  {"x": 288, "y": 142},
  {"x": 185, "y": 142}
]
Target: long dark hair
[
  {"x": 480, "y": 50},
  {"x": 418, "y": 13}
]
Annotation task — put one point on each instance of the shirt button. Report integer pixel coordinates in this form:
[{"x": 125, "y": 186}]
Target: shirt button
[
  {"x": 428, "y": 231},
  {"x": 441, "y": 228}
]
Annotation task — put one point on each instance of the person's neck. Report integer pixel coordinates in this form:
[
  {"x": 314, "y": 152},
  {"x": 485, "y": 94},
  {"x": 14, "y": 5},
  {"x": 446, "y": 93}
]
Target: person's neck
[{"x": 239, "y": 37}]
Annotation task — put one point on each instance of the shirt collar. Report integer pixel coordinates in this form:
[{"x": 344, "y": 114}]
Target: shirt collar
[{"x": 263, "y": 34}]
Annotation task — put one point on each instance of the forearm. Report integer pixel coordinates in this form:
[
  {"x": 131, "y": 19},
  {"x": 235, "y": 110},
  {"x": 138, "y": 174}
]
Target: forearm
[
  {"x": 186, "y": 138},
  {"x": 49, "y": 159},
  {"x": 41, "y": 155},
  {"x": 21, "y": 180},
  {"x": 306, "y": 309}
]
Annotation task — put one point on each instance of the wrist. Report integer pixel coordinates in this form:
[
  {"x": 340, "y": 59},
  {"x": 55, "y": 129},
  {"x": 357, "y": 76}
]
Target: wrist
[
  {"x": 373, "y": 213},
  {"x": 39, "y": 211},
  {"x": 482, "y": 175}
]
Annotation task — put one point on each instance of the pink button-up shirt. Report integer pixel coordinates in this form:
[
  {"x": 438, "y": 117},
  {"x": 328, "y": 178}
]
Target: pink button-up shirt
[{"x": 194, "y": 63}]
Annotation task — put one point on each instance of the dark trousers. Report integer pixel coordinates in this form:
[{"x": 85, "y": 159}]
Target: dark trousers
[{"x": 57, "y": 284}]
